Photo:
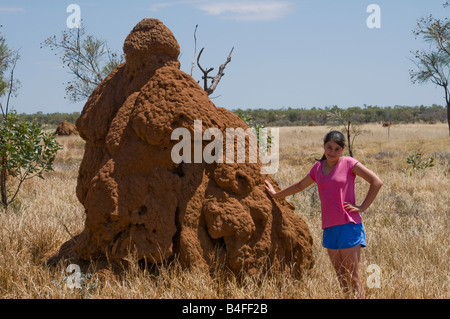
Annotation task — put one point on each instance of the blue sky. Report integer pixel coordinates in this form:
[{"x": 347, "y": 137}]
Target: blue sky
[{"x": 309, "y": 53}]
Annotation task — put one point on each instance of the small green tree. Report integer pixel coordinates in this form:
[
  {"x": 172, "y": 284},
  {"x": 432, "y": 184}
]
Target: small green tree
[
  {"x": 255, "y": 127},
  {"x": 434, "y": 65},
  {"x": 88, "y": 58},
  {"x": 26, "y": 150},
  {"x": 5, "y": 55}
]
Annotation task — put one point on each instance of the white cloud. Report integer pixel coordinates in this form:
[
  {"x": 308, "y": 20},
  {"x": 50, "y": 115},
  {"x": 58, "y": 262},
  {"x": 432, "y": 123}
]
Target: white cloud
[
  {"x": 6, "y": 9},
  {"x": 247, "y": 10},
  {"x": 157, "y": 6},
  {"x": 160, "y": 5}
]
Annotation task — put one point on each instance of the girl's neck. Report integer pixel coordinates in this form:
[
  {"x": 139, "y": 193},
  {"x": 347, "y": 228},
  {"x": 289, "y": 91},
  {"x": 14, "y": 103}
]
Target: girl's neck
[{"x": 331, "y": 164}]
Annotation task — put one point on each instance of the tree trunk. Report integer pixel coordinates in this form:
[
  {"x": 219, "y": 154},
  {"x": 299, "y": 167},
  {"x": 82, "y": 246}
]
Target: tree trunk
[
  {"x": 448, "y": 116},
  {"x": 447, "y": 100},
  {"x": 3, "y": 177},
  {"x": 349, "y": 140}
]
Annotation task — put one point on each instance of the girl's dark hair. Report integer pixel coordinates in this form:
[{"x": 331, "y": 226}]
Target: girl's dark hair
[{"x": 336, "y": 137}]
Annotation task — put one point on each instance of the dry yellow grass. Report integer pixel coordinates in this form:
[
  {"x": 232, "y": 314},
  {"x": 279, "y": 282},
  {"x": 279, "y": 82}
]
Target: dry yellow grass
[{"x": 407, "y": 228}]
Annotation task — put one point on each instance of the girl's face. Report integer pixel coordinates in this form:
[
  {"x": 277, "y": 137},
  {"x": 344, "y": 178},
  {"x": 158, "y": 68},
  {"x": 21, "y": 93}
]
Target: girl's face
[{"x": 332, "y": 151}]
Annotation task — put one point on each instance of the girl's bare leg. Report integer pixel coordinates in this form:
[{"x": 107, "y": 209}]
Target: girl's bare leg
[{"x": 346, "y": 264}]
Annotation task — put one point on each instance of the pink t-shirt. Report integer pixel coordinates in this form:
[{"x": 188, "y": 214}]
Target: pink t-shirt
[{"x": 334, "y": 189}]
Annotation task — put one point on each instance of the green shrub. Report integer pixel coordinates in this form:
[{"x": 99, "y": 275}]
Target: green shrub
[
  {"x": 26, "y": 151},
  {"x": 418, "y": 163}
]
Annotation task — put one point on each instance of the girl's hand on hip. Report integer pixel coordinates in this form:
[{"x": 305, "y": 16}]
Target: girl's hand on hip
[{"x": 352, "y": 208}]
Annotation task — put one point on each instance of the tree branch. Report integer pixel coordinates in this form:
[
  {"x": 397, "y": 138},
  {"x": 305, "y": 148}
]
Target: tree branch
[
  {"x": 88, "y": 58},
  {"x": 205, "y": 76},
  {"x": 219, "y": 75},
  {"x": 195, "y": 48}
]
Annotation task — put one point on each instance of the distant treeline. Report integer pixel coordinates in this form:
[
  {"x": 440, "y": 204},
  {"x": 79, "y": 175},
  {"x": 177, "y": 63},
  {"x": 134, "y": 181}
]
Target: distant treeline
[
  {"x": 303, "y": 117},
  {"x": 51, "y": 118},
  {"x": 367, "y": 114}
]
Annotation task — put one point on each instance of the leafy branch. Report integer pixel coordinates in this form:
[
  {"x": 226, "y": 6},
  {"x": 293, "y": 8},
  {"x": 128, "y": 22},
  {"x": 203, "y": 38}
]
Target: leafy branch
[{"x": 88, "y": 58}]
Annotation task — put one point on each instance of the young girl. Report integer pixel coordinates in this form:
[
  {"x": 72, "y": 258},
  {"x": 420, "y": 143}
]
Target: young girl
[{"x": 343, "y": 232}]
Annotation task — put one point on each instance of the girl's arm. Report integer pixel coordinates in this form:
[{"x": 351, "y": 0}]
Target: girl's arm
[
  {"x": 375, "y": 185},
  {"x": 294, "y": 188}
]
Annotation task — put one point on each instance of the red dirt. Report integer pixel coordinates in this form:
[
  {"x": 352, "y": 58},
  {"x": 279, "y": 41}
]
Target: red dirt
[{"x": 66, "y": 128}]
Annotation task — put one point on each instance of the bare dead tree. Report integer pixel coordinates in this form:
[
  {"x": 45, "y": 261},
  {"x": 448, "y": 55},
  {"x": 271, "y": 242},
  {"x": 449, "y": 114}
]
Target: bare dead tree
[
  {"x": 195, "y": 48},
  {"x": 216, "y": 79},
  {"x": 351, "y": 128}
]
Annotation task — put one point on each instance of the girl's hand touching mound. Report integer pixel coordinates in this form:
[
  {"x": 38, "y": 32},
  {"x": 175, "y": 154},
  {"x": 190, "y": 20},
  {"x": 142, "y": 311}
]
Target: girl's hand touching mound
[{"x": 270, "y": 189}]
